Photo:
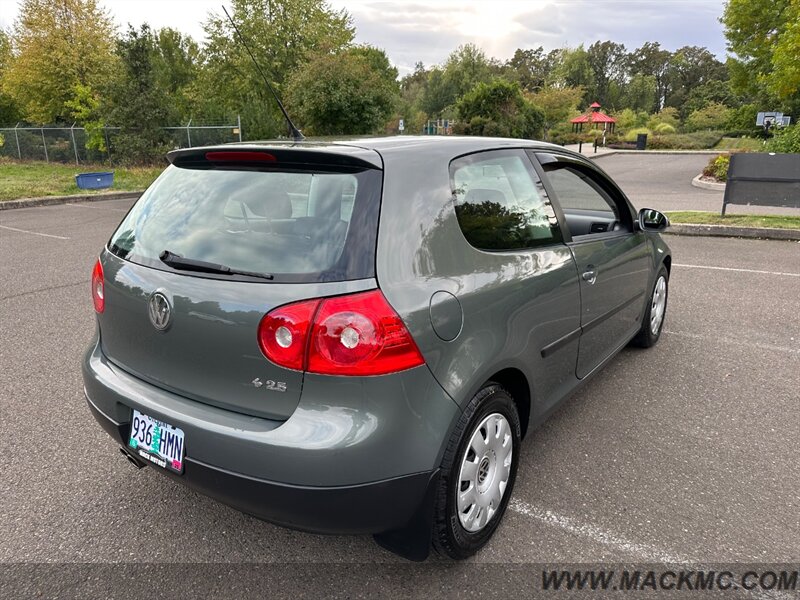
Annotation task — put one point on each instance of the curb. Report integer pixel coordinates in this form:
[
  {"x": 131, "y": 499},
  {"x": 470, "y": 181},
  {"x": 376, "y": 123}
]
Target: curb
[
  {"x": 653, "y": 152},
  {"x": 761, "y": 233},
  {"x": 49, "y": 200},
  {"x": 707, "y": 185}
]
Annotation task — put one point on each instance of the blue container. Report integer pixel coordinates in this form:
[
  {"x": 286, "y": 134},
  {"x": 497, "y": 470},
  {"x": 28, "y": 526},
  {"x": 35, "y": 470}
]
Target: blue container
[{"x": 95, "y": 181}]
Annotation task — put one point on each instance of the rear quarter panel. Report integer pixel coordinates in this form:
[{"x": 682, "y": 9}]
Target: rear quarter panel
[{"x": 421, "y": 250}]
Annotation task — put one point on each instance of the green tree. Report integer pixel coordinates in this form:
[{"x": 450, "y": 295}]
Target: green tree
[
  {"x": 85, "y": 107},
  {"x": 558, "y": 105},
  {"x": 784, "y": 81},
  {"x": 9, "y": 111},
  {"x": 651, "y": 60},
  {"x": 691, "y": 67},
  {"x": 437, "y": 95},
  {"x": 136, "y": 103},
  {"x": 466, "y": 67},
  {"x": 755, "y": 30},
  {"x": 713, "y": 116},
  {"x": 607, "y": 61},
  {"x": 572, "y": 69},
  {"x": 499, "y": 108},
  {"x": 641, "y": 92},
  {"x": 282, "y": 35},
  {"x": 58, "y": 45},
  {"x": 176, "y": 62},
  {"x": 352, "y": 92},
  {"x": 742, "y": 118},
  {"x": 713, "y": 91},
  {"x": 412, "y": 91},
  {"x": 530, "y": 68}
]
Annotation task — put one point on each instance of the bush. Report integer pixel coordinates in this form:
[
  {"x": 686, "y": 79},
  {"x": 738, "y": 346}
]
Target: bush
[
  {"x": 713, "y": 116},
  {"x": 632, "y": 134},
  {"x": 565, "y": 137},
  {"x": 501, "y": 110},
  {"x": 717, "y": 167},
  {"x": 786, "y": 140},
  {"x": 700, "y": 140},
  {"x": 662, "y": 128}
]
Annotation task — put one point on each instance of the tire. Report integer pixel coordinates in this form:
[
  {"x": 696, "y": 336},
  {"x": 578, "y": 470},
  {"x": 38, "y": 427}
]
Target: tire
[
  {"x": 492, "y": 409},
  {"x": 651, "y": 327}
]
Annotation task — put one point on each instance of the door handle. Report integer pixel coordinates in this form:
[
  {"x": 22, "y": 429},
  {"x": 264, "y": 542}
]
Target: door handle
[{"x": 590, "y": 275}]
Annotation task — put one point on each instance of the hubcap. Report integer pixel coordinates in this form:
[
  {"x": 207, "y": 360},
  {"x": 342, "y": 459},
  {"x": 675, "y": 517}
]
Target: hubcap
[
  {"x": 485, "y": 469},
  {"x": 659, "y": 305}
]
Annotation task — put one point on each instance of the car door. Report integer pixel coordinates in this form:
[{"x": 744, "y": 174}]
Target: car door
[
  {"x": 518, "y": 284},
  {"x": 611, "y": 255}
]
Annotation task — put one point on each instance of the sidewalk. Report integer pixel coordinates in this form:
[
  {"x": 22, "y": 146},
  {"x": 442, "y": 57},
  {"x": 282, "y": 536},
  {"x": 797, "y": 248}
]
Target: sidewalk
[{"x": 588, "y": 149}]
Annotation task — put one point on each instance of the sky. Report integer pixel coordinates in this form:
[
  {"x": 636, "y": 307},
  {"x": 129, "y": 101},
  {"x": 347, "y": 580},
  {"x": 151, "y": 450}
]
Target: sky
[{"x": 417, "y": 30}]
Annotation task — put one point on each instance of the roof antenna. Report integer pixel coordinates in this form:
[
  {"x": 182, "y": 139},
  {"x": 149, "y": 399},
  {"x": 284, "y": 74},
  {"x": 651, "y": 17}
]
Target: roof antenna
[{"x": 294, "y": 132}]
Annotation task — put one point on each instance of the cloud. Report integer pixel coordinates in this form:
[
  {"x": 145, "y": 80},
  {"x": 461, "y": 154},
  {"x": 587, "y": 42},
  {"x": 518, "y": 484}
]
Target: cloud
[{"x": 429, "y": 32}]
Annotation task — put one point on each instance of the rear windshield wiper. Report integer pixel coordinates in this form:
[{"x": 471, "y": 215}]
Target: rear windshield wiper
[{"x": 176, "y": 261}]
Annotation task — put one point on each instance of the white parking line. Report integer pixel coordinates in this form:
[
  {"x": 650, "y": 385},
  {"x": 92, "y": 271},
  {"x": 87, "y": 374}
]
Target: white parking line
[
  {"x": 97, "y": 207},
  {"x": 738, "y": 270},
  {"x": 734, "y": 341},
  {"x": 58, "y": 237},
  {"x": 643, "y": 552}
]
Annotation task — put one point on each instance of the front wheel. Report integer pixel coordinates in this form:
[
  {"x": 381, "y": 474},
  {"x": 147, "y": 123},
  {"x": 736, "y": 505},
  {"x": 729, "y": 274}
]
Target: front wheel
[
  {"x": 479, "y": 469},
  {"x": 653, "y": 321}
]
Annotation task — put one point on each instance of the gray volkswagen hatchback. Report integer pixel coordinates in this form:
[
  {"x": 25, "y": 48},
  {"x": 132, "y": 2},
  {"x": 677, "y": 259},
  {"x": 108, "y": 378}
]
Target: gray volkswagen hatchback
[{"x": 355, "y": 337}]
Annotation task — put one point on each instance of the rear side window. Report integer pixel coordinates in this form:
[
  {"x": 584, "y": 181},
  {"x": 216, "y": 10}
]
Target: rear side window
[
  {"x": 295, "y": 225},
  {"x": 500, "y": 202}
]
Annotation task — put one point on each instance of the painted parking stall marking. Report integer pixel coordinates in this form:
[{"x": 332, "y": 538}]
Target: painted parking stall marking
[
  {"x": 49, "y": 235},
  {"x": 737, "y": 270}
]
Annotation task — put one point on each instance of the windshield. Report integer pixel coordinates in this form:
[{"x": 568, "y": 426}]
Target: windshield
[{"x": 297, "y": 226}]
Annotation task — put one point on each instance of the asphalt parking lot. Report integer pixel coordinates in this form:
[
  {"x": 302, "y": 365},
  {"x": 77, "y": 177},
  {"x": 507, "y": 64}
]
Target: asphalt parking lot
[
  {"x": 683, "y": 454},
  {"x": 664, "y": 182}
]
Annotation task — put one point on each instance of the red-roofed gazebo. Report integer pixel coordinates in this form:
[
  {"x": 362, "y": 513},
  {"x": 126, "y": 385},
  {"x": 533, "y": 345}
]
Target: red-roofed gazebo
[{"x": 595, "y": 116}]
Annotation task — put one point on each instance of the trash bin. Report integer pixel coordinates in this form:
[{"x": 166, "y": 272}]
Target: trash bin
[
  {"x": 95, "y": 181},
  {"x": 641, "y": 141}
]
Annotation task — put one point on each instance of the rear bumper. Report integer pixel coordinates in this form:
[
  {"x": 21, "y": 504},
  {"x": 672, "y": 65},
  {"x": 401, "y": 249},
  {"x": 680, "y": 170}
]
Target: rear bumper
[
  {"x": 369, "y": 508},
  {"x": 349, "y": 462}
]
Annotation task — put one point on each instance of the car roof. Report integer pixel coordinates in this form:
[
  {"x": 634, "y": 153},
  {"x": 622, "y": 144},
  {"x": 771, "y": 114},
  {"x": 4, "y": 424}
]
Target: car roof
[{"x": 368, "y": 148}]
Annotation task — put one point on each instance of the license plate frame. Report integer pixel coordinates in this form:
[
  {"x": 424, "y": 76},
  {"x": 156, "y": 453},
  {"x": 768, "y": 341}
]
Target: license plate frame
[{"x": 157, "y": 442}]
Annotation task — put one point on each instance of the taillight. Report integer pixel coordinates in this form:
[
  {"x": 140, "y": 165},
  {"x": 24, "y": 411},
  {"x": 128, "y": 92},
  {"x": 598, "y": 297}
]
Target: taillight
[
  {"x": 360, "y": 334},
  {"x": 98, "y": 287},
  {"x": 283, "y": 334},
  {"x": 357, "y": 334}
]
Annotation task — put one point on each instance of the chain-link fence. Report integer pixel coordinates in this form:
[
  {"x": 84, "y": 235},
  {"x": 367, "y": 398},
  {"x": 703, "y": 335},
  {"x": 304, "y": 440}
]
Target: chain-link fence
[{"x": 68, "y": 144}]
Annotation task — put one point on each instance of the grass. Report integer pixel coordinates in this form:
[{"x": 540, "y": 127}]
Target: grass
[
  {"x": 742, "y": 143},
  {"x": 35, "y": 179},
  {"x": 696, "y": 217}
]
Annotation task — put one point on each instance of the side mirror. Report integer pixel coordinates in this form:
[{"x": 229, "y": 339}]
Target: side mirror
[{"x": 652, "y": 220}]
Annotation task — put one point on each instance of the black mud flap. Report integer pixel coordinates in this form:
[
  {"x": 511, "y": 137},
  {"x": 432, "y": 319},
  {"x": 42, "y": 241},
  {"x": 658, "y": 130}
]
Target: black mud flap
[{"x": 413, "y": 541}]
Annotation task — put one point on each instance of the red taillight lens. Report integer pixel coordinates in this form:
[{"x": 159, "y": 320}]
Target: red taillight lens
[
  {"x": 358, "y": 334},
  {"x": 283, "y": 334},
  {"x": 98, "y": 288}
]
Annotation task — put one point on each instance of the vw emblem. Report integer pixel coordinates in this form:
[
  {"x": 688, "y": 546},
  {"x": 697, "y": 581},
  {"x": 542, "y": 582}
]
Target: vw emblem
[{"x": 159, "y": 310}]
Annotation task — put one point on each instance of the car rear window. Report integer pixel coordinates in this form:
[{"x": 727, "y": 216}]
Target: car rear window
[{"x": 294, "y": 224}]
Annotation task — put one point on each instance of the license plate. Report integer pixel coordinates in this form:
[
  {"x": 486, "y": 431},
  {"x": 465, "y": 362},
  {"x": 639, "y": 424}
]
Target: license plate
[{"x": 157, "y": 442}]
